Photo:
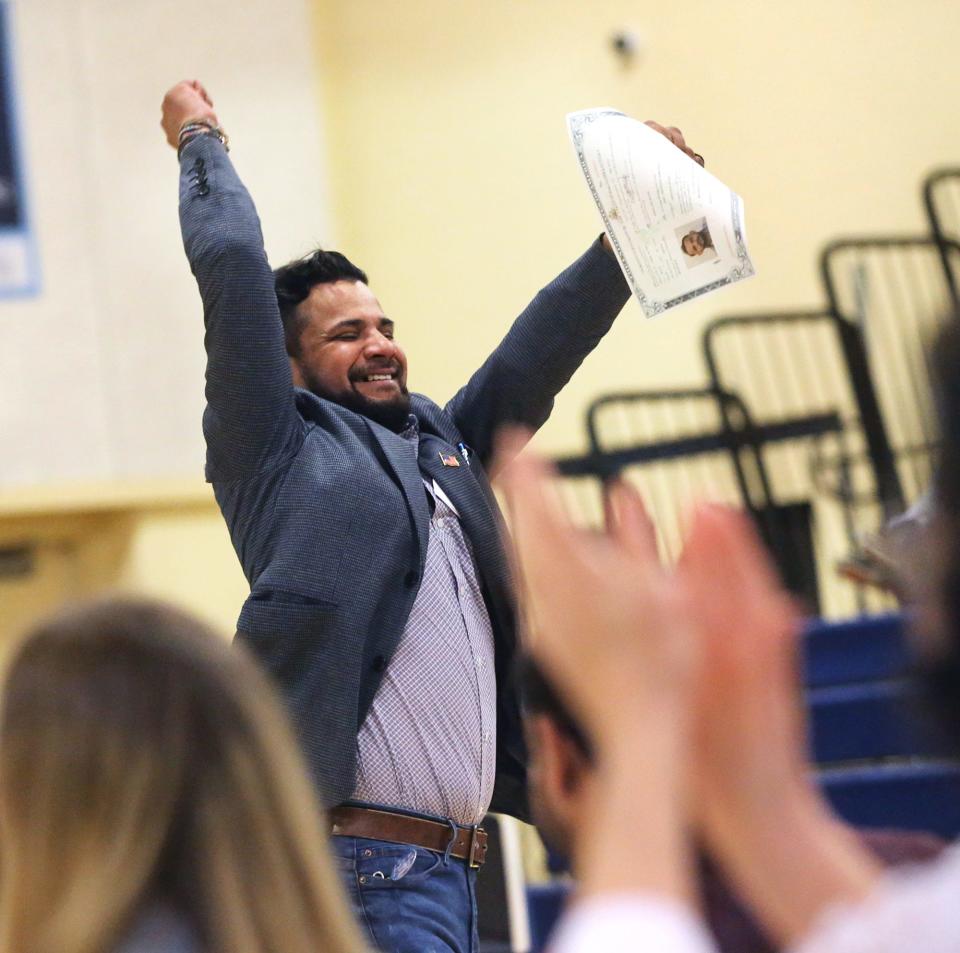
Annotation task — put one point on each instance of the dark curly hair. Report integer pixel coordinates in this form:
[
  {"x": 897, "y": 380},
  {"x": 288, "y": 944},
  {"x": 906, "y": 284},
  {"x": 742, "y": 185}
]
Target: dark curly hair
[{"x": 294, "y": 280}]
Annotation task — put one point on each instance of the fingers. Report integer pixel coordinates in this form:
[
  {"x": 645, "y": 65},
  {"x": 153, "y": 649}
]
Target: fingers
[
  {"x": 199, "y": 87},
  {"x": 714, "y": 551},
  {"x": 536, "y": 516},
  {"x": 629, "y": 523},
  {"x": 508, "y": 443},
  {"x": 731, "y": 571},
  {"x": 745, "y": 555},
  {"x": 542, "y": 536},
  {"x": 670, "y": 132},
  {"x": 676, "y": 137}
]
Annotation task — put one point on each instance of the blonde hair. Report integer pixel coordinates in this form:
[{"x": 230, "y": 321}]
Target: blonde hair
[{"x": 142, "y": 758}]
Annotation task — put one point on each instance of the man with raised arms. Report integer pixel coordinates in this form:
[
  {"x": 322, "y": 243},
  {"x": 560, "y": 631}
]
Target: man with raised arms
[{"x": 380, "y": 595}]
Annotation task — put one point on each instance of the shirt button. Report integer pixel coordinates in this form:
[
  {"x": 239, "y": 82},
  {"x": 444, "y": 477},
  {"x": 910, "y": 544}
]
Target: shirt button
[
  {"x": 379, "y": 663},
  {"x": 410, "y": 579}
]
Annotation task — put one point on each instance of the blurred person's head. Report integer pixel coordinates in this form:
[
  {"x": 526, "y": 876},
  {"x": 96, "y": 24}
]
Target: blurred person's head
[
  {"x": 938, "y": 614},
  {"x": 144, "y": 760},
  {"x": 340, "y": 343},
  {"x": 560, "y": 761}
]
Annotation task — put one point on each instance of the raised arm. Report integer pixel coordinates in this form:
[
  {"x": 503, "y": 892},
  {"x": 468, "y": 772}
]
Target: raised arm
[
  {"x": 760, "y": 813},
  {"x": 250, "y": 422},
  {"x": 548, "y": 342},
  {"x": 609, "y": 626}
]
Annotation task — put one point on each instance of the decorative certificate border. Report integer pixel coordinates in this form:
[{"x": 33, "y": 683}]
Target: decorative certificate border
[
  {"x": 742, "y": 269},
  {"x": 19, "y": 271}
]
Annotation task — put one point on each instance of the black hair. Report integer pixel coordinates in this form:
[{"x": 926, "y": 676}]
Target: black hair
[
  {"x": 539, "y": 697},
  {"x": 294, "y": 280}
]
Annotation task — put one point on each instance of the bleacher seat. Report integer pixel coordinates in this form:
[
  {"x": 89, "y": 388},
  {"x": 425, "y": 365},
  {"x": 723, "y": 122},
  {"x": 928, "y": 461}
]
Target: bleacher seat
[
  {"x": 870, "y": 721},
  {"x": 545, "y": 903},
  {"x": 864, "y": 649},
  {"x": 909, "y": 796}
]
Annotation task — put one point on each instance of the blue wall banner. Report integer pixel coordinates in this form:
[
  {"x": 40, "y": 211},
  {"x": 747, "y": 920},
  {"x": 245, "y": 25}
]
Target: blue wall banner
[{"x": 18, "y": 265}]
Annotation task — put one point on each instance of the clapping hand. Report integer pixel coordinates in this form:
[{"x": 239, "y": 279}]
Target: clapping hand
[{"x": 612, "y": 626}]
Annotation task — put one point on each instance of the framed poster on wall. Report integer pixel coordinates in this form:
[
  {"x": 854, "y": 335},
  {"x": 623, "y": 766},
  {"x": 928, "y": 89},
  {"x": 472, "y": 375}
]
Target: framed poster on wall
[{"x": 19, "y": 273}]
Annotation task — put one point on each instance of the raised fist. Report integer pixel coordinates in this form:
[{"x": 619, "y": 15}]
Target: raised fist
[{"x": 183, "y": 102}]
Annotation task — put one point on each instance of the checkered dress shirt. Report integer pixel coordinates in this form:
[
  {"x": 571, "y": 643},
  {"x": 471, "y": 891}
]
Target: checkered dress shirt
[{"x": 428, "y": 743}]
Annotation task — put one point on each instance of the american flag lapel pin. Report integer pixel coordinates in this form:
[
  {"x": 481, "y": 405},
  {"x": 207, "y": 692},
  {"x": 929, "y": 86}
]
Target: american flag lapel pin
[{"x": 449, "y": 460}]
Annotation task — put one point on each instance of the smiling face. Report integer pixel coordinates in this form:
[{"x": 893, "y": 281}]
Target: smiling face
[{"x": 347, "y": 353}]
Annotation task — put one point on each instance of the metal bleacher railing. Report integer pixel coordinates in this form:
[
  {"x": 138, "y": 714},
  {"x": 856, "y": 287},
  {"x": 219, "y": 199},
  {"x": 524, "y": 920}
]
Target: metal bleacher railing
[
  {"x": 806, "y": 366},
  {"x": 694, "y": 443},
  {"x": 892, "y": 294},
  {"x": 941, "y": 201}
]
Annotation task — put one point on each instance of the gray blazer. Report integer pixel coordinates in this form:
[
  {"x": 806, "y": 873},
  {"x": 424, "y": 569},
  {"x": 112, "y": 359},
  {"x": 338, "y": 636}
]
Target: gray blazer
[{"x": 326, "y": 509}]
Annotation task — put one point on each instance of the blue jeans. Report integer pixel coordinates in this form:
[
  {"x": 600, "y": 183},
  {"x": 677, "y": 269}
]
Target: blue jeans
[{"x": 409, "y": 899}]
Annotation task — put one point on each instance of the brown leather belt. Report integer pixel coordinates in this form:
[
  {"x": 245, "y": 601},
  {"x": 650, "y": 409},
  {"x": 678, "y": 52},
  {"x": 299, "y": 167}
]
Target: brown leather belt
[{"x": 470, "y": 843}]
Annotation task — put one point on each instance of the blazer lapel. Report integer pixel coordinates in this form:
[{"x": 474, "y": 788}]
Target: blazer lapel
[{"x": 398, "y": 455}]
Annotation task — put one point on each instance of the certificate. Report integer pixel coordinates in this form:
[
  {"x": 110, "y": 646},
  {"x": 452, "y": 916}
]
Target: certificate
[{"x": 677, "y": 230}]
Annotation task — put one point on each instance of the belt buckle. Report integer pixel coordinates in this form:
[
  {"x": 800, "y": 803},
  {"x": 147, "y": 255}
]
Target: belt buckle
[{"x": 475, "y": 847}]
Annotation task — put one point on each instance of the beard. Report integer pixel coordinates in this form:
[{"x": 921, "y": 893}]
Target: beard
[{"x": 392, "y": 413}]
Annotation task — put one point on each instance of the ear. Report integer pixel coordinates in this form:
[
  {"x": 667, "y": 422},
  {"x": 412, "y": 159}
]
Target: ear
[{"x": 562, "y": 767}]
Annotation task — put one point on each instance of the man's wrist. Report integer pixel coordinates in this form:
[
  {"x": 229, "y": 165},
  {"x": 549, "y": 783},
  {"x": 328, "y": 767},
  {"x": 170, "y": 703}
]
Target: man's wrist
[{"x": 201, "y": 126}]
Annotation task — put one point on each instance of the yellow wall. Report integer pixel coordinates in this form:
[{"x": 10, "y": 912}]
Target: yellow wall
[
  {"x": 101, "y": 373},
  {"x": 163, "y": 538},
  {"x": 456, "y": 188}
]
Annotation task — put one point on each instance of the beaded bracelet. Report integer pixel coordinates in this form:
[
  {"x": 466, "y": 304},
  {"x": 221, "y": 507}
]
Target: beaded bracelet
[{"x": 201, "y": 127}]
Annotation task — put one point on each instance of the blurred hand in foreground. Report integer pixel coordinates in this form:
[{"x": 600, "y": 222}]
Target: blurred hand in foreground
[
  {"x": 612, "y": 626},
  {"x": 612, "y": 631},
  {"x": 757, "y": 808},
  {"x": 686, "y": 683},
  {"x": 748, "y": 718}
]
